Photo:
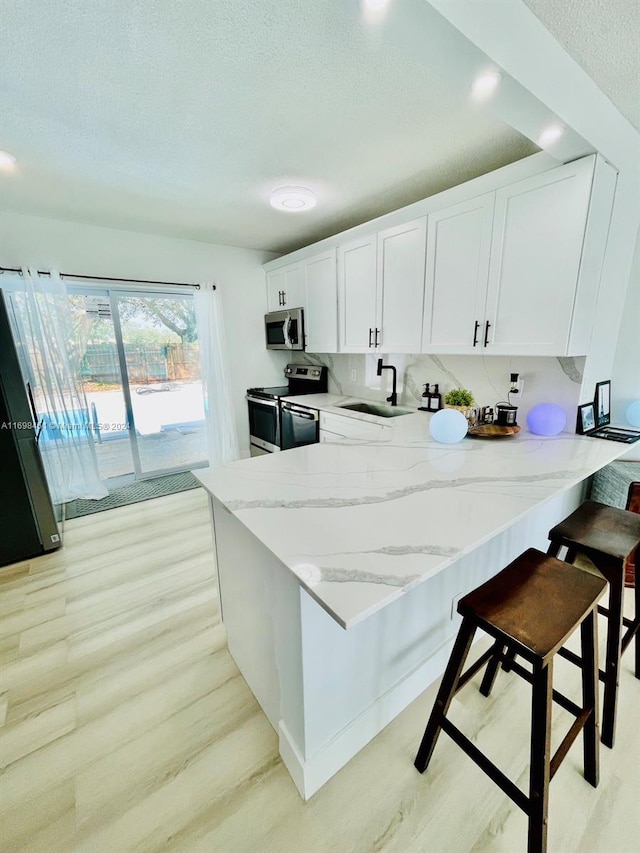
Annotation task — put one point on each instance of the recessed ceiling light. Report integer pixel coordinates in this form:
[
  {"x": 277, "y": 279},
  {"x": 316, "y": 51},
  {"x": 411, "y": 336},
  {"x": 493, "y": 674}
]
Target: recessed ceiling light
[
  {"x": 485, "y": 84},
  {"x": 550, "y": 135},
  {"x": 374, "y": 11},
  {"x": 293, "y": 199},
  {"x": 7, "y": 161}
]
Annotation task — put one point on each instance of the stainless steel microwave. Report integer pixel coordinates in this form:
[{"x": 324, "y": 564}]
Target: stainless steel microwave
[{"x": 284, "y": 329}]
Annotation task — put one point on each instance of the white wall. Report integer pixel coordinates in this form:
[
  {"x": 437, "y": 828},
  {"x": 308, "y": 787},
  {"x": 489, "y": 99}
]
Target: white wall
[
  {"x": 625, "y": 380},
  {"x": 89, "y": 250}
]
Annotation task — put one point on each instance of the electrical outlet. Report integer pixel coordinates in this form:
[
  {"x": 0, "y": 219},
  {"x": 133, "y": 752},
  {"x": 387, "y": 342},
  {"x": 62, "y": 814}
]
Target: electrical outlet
[
  {"x": 516, "y": 385},
  {"x": 520, "y": 386},
  {"x": 354, "y": 375}
]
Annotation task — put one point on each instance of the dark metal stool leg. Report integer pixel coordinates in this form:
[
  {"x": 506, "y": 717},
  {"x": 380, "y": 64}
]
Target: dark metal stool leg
[
  {"x": 612, "y": 662},
  {"x": 540, "y": 757},
  {"x": 446, "y": 693},
  {"x": 590, "y": 681}
]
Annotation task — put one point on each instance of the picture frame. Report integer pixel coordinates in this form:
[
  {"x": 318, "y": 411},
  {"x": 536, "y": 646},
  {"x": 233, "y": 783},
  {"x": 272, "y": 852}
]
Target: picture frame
[
  {"x": 586, "y": 418},
  {"x": 602, "y": 403}
]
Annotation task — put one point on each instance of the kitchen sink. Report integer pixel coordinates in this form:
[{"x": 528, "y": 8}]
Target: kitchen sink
[{"x": 372, "y": 409}]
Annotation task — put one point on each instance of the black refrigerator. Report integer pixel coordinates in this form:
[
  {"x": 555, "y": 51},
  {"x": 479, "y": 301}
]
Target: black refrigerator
[{"x": 28, "y": 525}]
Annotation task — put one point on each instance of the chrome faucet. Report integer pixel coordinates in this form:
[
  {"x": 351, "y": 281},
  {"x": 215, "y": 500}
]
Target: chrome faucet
[{"x": 393, "y": 399}]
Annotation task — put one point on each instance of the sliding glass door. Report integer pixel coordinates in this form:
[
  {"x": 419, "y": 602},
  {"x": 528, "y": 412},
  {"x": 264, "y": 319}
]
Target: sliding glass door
[{"x": 141, "y": 374}]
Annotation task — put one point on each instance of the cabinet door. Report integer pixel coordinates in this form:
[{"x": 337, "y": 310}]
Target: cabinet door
[
  {"x": 401, "y": 257},
  {"x": 458, "y": 247},
  {"x": 321, "y": 303},
  {"x": 357, "y": 279},
  {"x": 275, "y": 289},
  {"x": 294, "y": 286},
  {"x": 539, "y": 227},
  {"x": 285, "y": 287}
]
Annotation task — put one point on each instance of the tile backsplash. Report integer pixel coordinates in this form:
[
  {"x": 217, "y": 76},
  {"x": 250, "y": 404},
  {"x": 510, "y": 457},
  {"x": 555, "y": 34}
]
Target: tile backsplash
[{"x": 546, "y": 380}]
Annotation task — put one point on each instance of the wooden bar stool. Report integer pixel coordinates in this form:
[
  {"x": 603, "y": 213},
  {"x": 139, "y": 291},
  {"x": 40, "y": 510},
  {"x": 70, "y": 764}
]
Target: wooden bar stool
[
  {"x": 610, "y": 538},
  {"x": 532, "y": 606}
]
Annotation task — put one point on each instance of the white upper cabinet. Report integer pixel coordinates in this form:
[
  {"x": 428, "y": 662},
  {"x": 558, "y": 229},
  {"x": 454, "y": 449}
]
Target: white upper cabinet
[
  {"x": 458, "y": 247},
  {"x": 511, "y": 270},
  {"x": 381, "y": 290},
  {"x": 321, "y": 302},
  {"x": 538, "y": 234},
  {"x": 357, "y": 293},
  {"x": 285, "y": 287},
  {"x": 401, "y": 258}
]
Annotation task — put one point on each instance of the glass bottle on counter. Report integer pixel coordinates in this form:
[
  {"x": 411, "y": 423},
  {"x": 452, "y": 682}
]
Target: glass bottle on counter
[
  {"x": 435, "y": 399},
  {"x": 426, "y": 398}
]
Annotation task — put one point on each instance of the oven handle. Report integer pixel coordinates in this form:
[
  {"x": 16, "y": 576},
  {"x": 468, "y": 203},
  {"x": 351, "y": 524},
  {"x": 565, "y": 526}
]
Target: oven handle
[{"x": 272, "y": 403}]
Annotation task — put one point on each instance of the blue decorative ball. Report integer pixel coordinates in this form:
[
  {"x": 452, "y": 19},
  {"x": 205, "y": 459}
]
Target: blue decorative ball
[
  {"x": 448, "y": 426},
  {"x": 633, "y": 413},
  {"x": 546, "y": 419}
]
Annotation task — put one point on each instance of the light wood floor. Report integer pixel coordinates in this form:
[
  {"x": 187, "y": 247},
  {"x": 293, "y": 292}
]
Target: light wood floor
[{"x": 125, "y": 726}]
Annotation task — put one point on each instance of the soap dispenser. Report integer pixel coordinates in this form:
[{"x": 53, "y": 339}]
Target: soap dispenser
[
  {"x": 435, "y": 399},
  {"x": 426, "y": 398}
]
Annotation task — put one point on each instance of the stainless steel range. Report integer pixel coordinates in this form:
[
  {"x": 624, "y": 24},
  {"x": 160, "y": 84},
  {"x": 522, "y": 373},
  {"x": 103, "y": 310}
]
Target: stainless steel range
[{"x": 276, "y": 425}]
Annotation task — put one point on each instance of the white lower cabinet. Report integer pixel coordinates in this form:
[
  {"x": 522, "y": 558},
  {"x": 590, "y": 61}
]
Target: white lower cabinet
[
  {"x": 321, "y": 302},
  {"x": 334, "y": 427}
]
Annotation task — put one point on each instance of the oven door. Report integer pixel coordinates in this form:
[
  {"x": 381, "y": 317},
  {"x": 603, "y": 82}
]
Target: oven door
[
  {"x": 284, "y": 329},
  {"x": 264, "y": 425},
  {"x": 300, "y": 426}
]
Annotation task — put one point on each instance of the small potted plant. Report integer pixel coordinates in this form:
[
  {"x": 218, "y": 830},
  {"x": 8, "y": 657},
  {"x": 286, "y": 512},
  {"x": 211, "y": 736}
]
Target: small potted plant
[{"x": 460, "y": 399}]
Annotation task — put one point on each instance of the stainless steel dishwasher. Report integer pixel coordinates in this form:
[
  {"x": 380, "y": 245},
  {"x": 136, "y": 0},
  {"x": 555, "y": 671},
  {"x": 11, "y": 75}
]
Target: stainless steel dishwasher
[{"x": 300, "y": 425}]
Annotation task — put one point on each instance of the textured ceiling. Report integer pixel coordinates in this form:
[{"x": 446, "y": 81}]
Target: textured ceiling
[
  {"x": 180, "y": 117},
  {"x": 603, "y": 36}
]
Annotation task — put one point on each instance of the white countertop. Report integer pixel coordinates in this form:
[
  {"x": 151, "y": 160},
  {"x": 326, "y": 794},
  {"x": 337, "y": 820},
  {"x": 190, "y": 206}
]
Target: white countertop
[{"x": 360, "y": 524}]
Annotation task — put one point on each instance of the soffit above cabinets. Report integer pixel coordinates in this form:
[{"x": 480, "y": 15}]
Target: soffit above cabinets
[{"x": 180, "y": 119}]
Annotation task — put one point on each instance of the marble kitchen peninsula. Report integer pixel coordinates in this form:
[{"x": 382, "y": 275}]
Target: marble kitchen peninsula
[{"x": 340, "y": 563}]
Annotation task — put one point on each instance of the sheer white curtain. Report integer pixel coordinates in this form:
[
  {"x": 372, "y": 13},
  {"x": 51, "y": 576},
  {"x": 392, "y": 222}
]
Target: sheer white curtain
[
  {"x": 45, "y": 336},
  {"x": 220, "y": 423}
]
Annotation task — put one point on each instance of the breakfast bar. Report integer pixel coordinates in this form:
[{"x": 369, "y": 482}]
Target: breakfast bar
[{"x": 340, "y": 565}]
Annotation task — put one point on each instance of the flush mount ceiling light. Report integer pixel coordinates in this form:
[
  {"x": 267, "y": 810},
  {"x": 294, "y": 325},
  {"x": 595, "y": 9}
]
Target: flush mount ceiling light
[
  {"x": 293, "y": 199},
  {"x": 7, "y": 161},
  {"x": 375, "y": 5},
  {"x": 550, "y": 135},
  {"x": 485, "y": 84}
]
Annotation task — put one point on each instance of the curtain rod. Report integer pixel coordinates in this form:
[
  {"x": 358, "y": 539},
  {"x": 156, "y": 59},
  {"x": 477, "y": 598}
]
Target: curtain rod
[{"x": 103, "y": 278}]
